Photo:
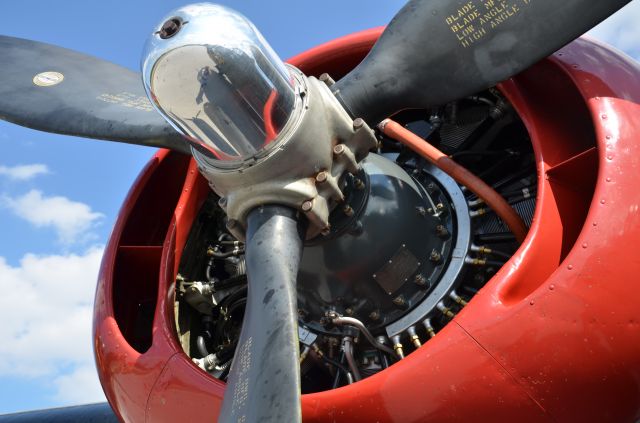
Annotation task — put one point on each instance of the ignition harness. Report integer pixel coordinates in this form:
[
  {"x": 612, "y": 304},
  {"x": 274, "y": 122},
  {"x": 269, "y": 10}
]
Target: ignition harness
[{"x": 494, "y": 200}]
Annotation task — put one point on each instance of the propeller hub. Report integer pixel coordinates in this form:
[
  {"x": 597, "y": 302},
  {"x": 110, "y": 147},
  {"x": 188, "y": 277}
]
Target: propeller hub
[{"x": 261, "y": 131}]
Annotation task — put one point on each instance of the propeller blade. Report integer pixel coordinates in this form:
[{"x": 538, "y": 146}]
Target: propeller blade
[
  {"x": 57, "y": 90},
  {"x": 435, "y": 51},
  {"x": 264, "y": 381}
]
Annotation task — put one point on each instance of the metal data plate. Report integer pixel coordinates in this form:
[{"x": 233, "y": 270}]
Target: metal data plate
[{"x": 397, "y": 270}]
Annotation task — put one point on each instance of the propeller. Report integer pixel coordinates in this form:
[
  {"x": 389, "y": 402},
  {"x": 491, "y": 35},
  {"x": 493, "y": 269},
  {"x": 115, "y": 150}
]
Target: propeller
[
  {"x": 264, "y": 381},
  {"x": 435, "y": 51},
  {"x": 57, "y": 90}
]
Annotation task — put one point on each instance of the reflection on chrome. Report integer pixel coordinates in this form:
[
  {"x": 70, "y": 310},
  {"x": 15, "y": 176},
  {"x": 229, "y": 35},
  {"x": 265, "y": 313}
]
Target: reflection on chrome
[{"x": 218, "y": 82}]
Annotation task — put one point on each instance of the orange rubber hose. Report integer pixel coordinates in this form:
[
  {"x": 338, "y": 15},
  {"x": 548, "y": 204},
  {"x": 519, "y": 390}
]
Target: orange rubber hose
[{"x": 460, "y": 174}]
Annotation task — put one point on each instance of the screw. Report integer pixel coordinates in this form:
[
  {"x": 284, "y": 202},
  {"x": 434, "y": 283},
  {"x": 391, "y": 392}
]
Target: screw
[
  {"x": 170, "y": 28},
  {"x": 322, "y": 176},
  {"x": 374, "y": 315},
  {"x": 348, "y": 210},
  {"x": 435, "y": 256},
  {"x": 222, "y": 202},
  {"x": 421, "y": 211},
  {"x": 358, "y": 123},
  {"x": 348, "y": 311},
  {"x": 420, "y": 280},
  {"x": 338, "y": 149},
  {"x": 439, "y": 206},
  {"x": 358, "y": 183},
  {"x": 307, "y": 206}
]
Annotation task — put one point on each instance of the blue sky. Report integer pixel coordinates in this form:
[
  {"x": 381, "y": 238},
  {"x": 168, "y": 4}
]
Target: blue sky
[{"x": 59, "y": 196}]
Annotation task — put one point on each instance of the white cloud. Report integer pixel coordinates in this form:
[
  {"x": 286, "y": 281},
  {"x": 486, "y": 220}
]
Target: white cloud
[
  {"x": 79, "y": 387},
  {"x": 23, "y": 172},
  {"x": 71, "y": 220},
  {"x": 47, "y": 304},
  {"x": 622, "y": 30}
]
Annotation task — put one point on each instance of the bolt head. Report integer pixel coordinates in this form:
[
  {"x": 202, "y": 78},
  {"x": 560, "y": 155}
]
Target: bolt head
[
  {"x": 399, "y": 301},
  {"x": 420, "y": 280},
  {"x": 358, "y": 123},
  {"x": 435, "y": 256},
  {"x": 322, "y": 176},
  {"x": 307, "y": 206},
  {"x": 338, "y": 149}
]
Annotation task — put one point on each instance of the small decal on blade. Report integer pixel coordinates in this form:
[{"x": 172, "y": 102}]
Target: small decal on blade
[
  {"x": 127, "y": 100},
  {"x": 48, "y": 79}
]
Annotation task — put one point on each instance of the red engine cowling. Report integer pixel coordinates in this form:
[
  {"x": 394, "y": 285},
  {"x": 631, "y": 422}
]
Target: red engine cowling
[{"x": 555, "y": 335}]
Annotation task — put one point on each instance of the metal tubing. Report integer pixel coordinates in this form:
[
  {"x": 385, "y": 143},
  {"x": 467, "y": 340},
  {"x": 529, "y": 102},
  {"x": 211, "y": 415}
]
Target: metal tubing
[
  {"x": 202, "y": 347},
  {"x": 347, "y": 347},
  {"x": 350, "y": 321}
]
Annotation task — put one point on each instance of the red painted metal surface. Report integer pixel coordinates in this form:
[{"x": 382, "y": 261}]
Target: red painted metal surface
[{"x": 554, "y": 336}]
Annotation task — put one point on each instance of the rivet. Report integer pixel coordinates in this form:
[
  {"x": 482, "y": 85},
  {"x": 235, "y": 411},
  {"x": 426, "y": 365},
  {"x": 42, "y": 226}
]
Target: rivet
[
  {"x": 570, "y": 267},
  {"x": 608, "y": 179},
  {"x": 584, "y": 245},
  {"x": 552, "y": 287},
  {"x": 604, "y": 117},
  {"x": 602, "y": 201}
]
